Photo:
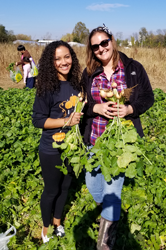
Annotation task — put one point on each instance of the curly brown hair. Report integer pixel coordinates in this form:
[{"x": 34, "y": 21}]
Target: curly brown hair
[
  {"x": 92, "y": 61},
  {"x": 47, "y": 79}
]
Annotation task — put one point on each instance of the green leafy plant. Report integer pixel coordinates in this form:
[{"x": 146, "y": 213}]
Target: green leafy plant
[
  {"x": 15, "y": 75},
  {"x": 73, "y": 147},
  {"x": 118, "y": 150},
  {"x": 11, "y": 67},
  {"x": 143, "y": 217}
]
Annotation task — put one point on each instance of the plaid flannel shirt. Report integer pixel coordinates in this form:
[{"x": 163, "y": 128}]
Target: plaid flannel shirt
[{"x": 99, "y": 123}]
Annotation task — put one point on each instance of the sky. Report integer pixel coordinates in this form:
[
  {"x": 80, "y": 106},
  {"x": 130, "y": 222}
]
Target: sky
[{"x": 55, "y": 18}]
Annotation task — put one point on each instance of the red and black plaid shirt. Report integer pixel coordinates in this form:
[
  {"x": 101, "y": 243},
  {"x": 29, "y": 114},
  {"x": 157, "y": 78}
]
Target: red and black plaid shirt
[{"x": 99, "y": 123}]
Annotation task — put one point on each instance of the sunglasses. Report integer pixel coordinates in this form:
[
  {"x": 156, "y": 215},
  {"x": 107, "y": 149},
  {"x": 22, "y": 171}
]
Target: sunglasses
[{"x": 103, "y": 44}]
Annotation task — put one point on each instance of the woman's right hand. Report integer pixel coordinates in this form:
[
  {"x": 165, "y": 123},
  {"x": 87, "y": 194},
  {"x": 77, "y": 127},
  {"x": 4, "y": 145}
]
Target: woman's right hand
[
  {"x": 73, "y": 119},
  {"x": 16, "y": 63},
  {"x": 104, "y": 109}
]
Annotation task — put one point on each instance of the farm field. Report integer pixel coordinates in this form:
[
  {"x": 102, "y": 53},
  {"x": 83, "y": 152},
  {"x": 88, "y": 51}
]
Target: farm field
[
  {"x": 143, "y": 218},
  {"x": 154, "y": 61}
]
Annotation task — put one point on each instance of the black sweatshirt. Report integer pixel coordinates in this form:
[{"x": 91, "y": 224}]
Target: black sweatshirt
[
  {"x": 52, "y": 105},
  {"x": 141, "y": 99}
]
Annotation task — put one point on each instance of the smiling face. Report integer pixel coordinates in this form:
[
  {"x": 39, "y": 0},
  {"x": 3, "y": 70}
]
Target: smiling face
[
  {"x": 104, "y": 54},
  {"x": 62, "y": 62}
]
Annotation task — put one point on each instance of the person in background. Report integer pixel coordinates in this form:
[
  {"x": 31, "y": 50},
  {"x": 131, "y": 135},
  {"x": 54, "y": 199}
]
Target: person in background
[
  {"x": 105, "y": 65},
  {"x": 24, "y": 53},
  {"x": 29, "y": 80},
  {"x": 58, "y": 83}
]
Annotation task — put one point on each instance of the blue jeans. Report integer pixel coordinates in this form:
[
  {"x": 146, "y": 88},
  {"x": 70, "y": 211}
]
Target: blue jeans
[
  {"x": 107, "y": 193},
  {"x": 30, "y": 82}
]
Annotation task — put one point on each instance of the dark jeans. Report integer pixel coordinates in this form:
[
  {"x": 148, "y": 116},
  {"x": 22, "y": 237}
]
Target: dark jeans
[{"x": 30, "y": 82}]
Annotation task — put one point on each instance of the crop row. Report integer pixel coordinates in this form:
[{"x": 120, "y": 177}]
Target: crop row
[{"x": 143, "y": 217}]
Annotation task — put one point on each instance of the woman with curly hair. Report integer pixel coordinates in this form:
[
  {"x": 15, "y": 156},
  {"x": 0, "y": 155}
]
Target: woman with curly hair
[{"x": 58, "y": 84}]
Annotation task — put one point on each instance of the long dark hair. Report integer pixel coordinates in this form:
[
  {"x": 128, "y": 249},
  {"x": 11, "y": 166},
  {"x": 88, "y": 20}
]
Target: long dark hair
[
  {"x": 92, "y": 61},
  {"x": 47, "y": 79}
]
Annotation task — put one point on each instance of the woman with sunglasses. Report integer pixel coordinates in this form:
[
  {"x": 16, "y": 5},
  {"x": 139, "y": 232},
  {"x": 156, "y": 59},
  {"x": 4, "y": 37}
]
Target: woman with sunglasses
[{"x": 105, "y": 65}]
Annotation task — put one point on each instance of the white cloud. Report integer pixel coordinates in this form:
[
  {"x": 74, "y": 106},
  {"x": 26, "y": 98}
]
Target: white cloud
[{"x": 105, "y": 6}]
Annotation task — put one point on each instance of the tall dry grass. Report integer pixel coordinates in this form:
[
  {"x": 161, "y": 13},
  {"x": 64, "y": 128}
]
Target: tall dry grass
[
  {"x": 153, "y": 60},
  {"x": 9, "y": 54}
]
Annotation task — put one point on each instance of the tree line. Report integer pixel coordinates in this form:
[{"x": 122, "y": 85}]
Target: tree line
[
  {"x": 141, "y": 39},
  {"x": 80, "y": 34},
  {"x": 8, "y": 36}
]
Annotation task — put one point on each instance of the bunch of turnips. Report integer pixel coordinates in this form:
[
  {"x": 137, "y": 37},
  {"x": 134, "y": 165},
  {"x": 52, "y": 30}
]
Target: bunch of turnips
[
  {"x": 115, "y": 95},
  {"x": 72, "y": 147},
  {"x": 120, "y": 145}
]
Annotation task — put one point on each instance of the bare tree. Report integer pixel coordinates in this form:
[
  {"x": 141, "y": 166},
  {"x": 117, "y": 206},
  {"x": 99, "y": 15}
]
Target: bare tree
[
  {"x": 164, "y": 31},
  {"x": 159, "y": 32},
  {"x": 119, "y": 35},
  {"x": 135, "y": 35},
  {"x": 47, "y": 36}
]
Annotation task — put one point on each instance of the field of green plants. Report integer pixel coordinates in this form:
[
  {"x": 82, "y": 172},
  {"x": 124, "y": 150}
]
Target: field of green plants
[{"x": 143, "y": 218}]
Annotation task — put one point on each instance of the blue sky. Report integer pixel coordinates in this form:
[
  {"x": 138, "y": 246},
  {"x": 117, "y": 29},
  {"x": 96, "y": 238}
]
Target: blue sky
[{"x": 54, "y": 18}]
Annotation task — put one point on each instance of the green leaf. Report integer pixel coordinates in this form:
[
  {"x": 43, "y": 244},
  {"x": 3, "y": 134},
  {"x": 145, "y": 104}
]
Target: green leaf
[
  {"x": 89, "y": 167},
  {"x": 135, "y": 227},
  {"x": 100, "y": 152},
  {"x": 91, "y": 233},
  {"x": 62, "y": 169},
  {"x": 111, "y": 145},
  {"x": 55, "y": 145},
  {"x": 84, "y": 160},
  {"x": 114, "y": 162},
  {"x": 115, "y": 171},
  {"x": 106, "y": 171},
  {"x": 64, "y": 145},
  {"x": 139, "y": 168},
  {"x": 50, "y": 230},
  {"x": 72, "y": 146},
  {"x": 43, "y": 247},
  {"x": 119, "y": 144},
  {"x": 130, "y": 136},
  {"x": 124, "y": 160},
  {"x": 9, "y": 134},
  {"x": 107, "y": 161},
  {"x": 94, "y": 150},
  {"x": 77, "y": 168},
  {"x": 131, "y": 171},
  {"x": 131, "y": 148},
  {"x": 75, "y": 159}
]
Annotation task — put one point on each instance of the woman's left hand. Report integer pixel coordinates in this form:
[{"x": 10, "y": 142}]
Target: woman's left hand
[
  {"x": 74, "y": 118},
  {"x": 124, "y": 110}
]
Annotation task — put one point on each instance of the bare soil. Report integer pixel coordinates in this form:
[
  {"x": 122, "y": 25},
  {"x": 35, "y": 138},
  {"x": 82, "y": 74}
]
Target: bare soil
[{"x": 6, "y": 83}]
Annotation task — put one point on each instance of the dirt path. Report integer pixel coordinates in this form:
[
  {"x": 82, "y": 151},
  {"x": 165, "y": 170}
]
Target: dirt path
[{"x": 6, "y": 82}]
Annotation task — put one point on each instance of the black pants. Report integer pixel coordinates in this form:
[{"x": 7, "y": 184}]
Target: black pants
[{"x": 56, "y": 187}]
